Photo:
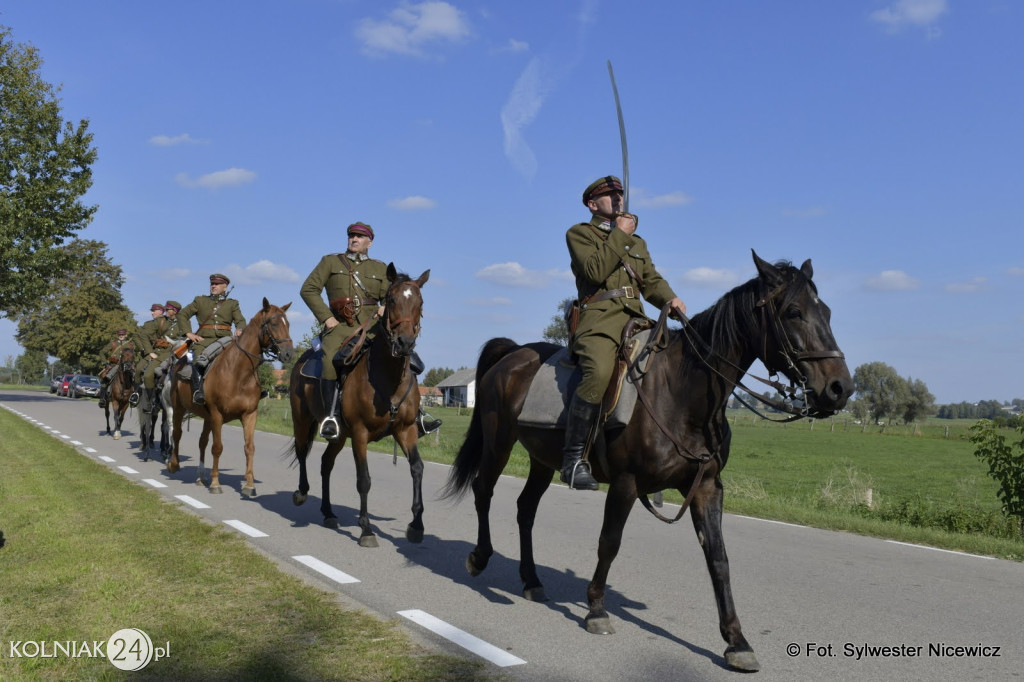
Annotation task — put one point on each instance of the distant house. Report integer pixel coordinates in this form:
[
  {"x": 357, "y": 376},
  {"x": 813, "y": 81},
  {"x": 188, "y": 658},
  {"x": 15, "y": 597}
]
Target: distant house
[
  {"x": 459, "y": 390},
  {"x": 430, "y": 396}
]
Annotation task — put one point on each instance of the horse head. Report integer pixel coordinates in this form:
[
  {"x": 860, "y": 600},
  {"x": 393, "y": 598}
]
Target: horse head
[
  {"x": 403, "y": 307},
  {"x": 797, "y": 336},
  {"x": 275, "y": 337},
  {"x": 127, "y": 360}
]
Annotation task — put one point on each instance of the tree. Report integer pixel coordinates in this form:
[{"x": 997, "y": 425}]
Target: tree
[
  {"x": 884, "y": 391},
  {"x": 436, "y": 375},
  {"x": 920, "y": 402},
  {"x": 76, "y": 323},
  {"x": 558, "y": 330},
  {"x": 1005, "y": 466},
  {"x": 44, "y": 171},
  {"x": 32, "y": 366}
]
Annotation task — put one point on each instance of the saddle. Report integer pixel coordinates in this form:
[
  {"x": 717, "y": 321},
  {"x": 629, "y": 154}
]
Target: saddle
[{"x": 547, "y": 400}]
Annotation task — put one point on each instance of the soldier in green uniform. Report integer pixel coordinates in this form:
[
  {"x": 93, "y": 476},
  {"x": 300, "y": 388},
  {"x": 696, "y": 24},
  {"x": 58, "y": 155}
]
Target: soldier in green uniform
[
  {"x": 144, "y": 338},
  {"x": 170, "y": 331},
  {"x": 214, "y": 314},
  {"x": 113, "y": 358},
  {"x": 356, "y": 285},
  {"x": 613, "y": 268}
]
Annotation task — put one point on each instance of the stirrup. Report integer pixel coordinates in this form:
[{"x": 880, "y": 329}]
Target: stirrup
[
  {"x": 579, "y": 477},
  {"x": 133, "y": 399},
  {"x": 199, "y": 398},
  {"x": 329, "y": 428},
  {"x": 426, "y": 426}
]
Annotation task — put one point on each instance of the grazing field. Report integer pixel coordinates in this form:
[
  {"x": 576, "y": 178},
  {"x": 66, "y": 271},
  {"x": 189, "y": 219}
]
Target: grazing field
[{"x": 915, "y": 483}]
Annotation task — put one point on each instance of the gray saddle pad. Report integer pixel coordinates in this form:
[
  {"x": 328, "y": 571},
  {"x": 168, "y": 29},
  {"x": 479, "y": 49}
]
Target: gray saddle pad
[{"x": 547, "y": 400}]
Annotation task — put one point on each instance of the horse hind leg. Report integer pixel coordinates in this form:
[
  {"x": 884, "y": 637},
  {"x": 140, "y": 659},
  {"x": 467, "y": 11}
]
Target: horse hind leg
[{"x": 706, "y": 511}]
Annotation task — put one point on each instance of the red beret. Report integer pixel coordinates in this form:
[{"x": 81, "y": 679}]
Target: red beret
[
  {"x": 156, "y": 306},
  {"x": 360, "y": 228},
  {"x": 605, "y": 185}
]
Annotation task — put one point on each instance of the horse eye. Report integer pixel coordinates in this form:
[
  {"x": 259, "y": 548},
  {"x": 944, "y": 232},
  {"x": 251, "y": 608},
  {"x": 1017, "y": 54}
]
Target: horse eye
[{"x": 794, "y": 313}]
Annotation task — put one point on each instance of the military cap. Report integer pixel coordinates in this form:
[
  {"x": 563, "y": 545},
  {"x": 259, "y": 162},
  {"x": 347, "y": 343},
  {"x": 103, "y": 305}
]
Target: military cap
[
  {"x": 362, "y": 228},
  {"x": 605, "y": 185},
  {"x": 172, "y": 304},
  {"x": 217, "y": 278},
  {"x": 156, "y": 306},
  {"x": 122, "y": 332}
]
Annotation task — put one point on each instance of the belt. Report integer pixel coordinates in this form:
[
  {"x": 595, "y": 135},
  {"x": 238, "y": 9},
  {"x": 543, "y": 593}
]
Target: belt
[
  {"x": 624, "y": 292},
  {"x": 217, "y": 327}
]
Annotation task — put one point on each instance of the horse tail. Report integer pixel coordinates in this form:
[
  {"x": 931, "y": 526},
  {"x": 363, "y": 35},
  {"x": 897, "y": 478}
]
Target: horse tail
[{"x": 468, "y": 460}]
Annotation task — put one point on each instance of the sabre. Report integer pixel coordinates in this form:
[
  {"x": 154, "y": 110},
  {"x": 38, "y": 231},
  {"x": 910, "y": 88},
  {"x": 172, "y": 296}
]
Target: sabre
[{"x": 622, "y": 139}]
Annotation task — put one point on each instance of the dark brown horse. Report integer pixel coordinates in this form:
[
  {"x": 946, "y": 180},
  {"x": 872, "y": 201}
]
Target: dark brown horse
[
  {"x": 120, "y": 389},
  {"x": 232, "y": 391},
  {"x": 380, "y": 398},
  {"x": 678, "y": 436}
]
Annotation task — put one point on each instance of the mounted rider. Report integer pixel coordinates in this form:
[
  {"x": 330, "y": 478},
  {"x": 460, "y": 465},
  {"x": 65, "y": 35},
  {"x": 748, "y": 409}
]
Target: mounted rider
[
  {"x": 144, "y": 337},
  {"x": 215, "y": 314},
  {"x": 356, "y": 286},
  {"x": 170, "y": 332},
  {"x": 613, "y": 268},
  {"x": 113, "y": 360}
]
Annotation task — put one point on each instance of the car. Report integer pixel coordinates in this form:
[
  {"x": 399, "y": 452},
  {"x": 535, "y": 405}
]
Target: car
[
  {"x": 56, "y": 382},
  {"x": 84, "y": 385},
  {"x": 65, "y": 380}
]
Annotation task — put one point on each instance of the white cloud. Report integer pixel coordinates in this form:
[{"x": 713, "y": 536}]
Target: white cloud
[
  {"x": 640, "y": 198},
  {"x": 226, "y": 178},
  {"x": 892, "y": 280},
  {"x": 970, "y": 287},
  {"x": 413, "y": 203},
  {"x": 711, "y": 278},
  {"x": 167, "y": 141},
  {"x": 515, "y": 275},
  {"x": 410, "y": 27},
  {"x": 173, "y": 274},
  {"x": 915, "y": 13},
  {"x": 520, "y": 110},
  {"x": 260, "y": 272},
  {"x": 1015, "y": 272}
]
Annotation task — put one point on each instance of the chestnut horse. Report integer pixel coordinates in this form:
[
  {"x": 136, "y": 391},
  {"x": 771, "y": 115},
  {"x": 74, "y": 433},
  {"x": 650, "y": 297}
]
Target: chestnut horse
[
  {"x": 232, "y": 391},
  {"x": 380, "y": 398},
  {"x": 120, "y": 389},
  {"x": 678, "y": 436}
]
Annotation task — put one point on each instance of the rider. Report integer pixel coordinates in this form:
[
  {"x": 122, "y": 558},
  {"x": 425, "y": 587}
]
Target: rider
[
  {"x": 145, "y": 336},
  {"x": 215, "y": 314},
  {"x": 171, "y": 332},
  {"x": 612, "y": 267},
  {"x": 113, "y": 358},
  {"x": 356, "y": 285}
]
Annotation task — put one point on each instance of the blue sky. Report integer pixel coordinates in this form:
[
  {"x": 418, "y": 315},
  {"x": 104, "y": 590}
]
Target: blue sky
[{"x": 880, "y": 138}]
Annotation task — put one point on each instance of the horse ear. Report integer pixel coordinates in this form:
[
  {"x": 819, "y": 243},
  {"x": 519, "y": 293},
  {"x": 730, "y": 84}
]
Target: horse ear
[
  {"x": 768, "y": 272},
  {"x": 807, "y": 269},
  {"x": 423, "y": 278},
  {"x": 266, "y": 304},
  {"x": 286, "y": 306},
  {"x": 392, "y": 272}
]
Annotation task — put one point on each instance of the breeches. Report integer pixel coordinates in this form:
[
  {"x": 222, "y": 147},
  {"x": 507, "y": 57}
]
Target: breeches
[
  {"x": 597, "y": 360},
  {"x": 331, "y": 343},
  {"x": 149, "y": 378}
]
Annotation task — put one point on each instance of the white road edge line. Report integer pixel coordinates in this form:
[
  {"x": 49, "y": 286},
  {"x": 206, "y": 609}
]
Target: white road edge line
[
  {"x": 127, "y": 469},
  {"x": 192, "y": 502},
  {"x": 498, "y": 657},
  {"x": 326, "y": 569},
  {"x": 104, "y": 458},
  {"x": 246, "y": 528},
  {"x": 936, "y": 549},
  {"x": 155, "y": 483}
]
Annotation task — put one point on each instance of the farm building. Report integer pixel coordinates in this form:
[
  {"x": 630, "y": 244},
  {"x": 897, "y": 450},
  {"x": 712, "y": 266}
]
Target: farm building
[{"x": 459, "y": 390}]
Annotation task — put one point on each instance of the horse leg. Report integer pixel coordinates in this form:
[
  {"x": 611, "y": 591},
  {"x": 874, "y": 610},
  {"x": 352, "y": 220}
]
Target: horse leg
[
  {"x": 367, "y": 538},
  {"x": 493, "y": 461},
  {"x": 204, "y": 438},
  {"x": 621, "y": 496},
  {"x": 326, "y": 466},
  {"x": 414, "y": 531},
  {"x": 537, "y": 483},
  {"x": 706, "y": 511},
  {"x": 218, "y": 447},
  {"x": 118, "y": 416},
  {"x": 106, "y": 416},
  {"x": 249, "y": 429},
  {"x": 303, "y": 444},
  {"x": 176, "y": 416}
]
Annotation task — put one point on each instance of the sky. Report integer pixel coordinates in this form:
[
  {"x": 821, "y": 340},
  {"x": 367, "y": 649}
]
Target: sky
[{"x": 882, "y": 139}]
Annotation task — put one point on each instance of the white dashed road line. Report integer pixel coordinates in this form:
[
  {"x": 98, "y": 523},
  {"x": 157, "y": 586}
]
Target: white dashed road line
[
  {"x": 326, "y": 569},
  {"x": 246, "y": 528},
  {"x": 192, "y": 502},
  {"x": 498, "y": 657}
]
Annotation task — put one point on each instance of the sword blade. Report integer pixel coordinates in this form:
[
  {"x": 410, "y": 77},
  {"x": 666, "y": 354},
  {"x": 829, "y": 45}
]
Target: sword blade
[{"x": 622, "y": 140}]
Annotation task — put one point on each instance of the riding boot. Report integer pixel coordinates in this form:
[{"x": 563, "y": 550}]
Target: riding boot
[
  {"x": 329, "y": 427},
  {"x": 103, "y": 396},
  {"x": 581, "y": 418},
  {"x": 416, "y": 365},
  {"x": 426, "y": 424},
  {"x": 198, "y": 397}
]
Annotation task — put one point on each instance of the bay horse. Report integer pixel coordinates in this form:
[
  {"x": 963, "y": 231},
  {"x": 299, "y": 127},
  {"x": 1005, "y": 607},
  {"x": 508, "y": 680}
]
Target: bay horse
[
  {"x": 677, "y": 437},
  {"x": 380, "y": 397},
  {"x": 233, "y": 391},
  {"x": 120, "y": 389}
]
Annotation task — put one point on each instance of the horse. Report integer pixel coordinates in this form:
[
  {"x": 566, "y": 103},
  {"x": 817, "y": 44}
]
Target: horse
[
  {"x": 380, "y": 398},
  {"x": 148, "y": 417},
  {"x": 120, "y": 389},
  {"x": 233, "y": 391},
  {"x": 677, "y": 436}
]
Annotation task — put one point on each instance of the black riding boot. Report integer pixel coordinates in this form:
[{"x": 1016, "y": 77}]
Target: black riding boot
[
  {"x": 581, "y": 418},
  {"x": 329, "y": 428},
  {"x": 103, "y": 395},
  {"x": 198, "y": 397},
  {"x": 426, "y": 424}
]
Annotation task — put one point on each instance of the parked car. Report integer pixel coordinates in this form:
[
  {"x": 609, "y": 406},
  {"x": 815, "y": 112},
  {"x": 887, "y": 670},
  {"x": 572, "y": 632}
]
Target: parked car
[
  {"x": 65, "y": 380},
  {"x": 55, "y": 383},
  {"x": 84, "y": 385}
]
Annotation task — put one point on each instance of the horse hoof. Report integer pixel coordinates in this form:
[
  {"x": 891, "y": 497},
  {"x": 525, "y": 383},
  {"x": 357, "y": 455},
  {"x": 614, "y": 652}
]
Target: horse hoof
[
  {"x": 742, "y": 660},
  {"x": 298, "y": 499},
  {"x": 600, "y": 625},
  {"x": 414, "y": 534},
  {"x": 117, "y": 435},
  {"x": 472, "y": 567},
  {"x": 368, "y": 541},
  {"x": 535, "y": 594},
  {"x": 249, "y": 491},
  {"x": 215, "y": 490},
  {"x": 145, "y": 458},
  {"x": 330, "y": 522}
]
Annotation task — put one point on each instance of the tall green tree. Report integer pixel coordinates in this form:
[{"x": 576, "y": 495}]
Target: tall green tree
[
  {"x": 436, "y": 375},
  {"x": 883, "y": 390},
  {"x": 920, "y": 401},
  {"x": 44, "y": 173},
  {"x": 558, "y": 331},
  {"x": 32, "y": 366},
  {"x": 75, "y": 323}
]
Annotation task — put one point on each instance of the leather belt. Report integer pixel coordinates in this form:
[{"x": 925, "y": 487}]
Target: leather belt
[
  {"x": 217, "y": 327},
  {"x": 624, "y": 292}
]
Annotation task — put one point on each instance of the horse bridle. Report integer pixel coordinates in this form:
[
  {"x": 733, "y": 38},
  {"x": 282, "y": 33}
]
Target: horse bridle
[
  {"x": 389, "y": 326},
  {"x": 273, "y": 348}
]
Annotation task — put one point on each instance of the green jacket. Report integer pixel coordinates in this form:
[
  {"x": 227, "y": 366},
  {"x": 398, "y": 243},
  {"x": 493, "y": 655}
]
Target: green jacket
[
  {"x": 361, "y": 278},
  {"x": 148, "y": 333},
  {"x": 214, "y": 317},
  {"x": 597, "y": 251},
  {"x": 112, "y": 355}
]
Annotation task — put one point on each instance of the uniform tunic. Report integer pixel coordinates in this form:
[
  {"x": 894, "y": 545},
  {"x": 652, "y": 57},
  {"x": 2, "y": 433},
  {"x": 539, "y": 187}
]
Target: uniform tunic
[
  {"x": 597, "y": 250},
  {"x": 214, "y": 315},
  {"x": 112, "y": 358},
  {"x": 359, "y": 277},
  {"x": 172, "y": 332},
  {"x": 144, "y": 337}
]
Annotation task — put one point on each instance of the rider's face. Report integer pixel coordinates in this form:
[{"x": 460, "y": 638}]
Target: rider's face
[{"x": 359, "y": 243}]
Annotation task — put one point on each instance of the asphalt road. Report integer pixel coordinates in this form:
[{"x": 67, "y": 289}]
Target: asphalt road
[{"x": 814, "y": 604}]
